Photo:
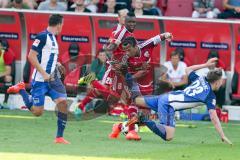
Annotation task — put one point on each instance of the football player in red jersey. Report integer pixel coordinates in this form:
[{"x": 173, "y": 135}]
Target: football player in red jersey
[
  {"x": 140, "y": 67},
  {"x": 117, "y": 60},
  {"x": 121, "y": 32}
]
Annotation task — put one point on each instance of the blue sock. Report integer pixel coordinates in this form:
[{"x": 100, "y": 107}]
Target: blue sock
[
  {"x": 27, "y": 99},
  {"x": 158, "y": 129},
  {"x": 61, "y": 122},
  {"x": 135, "y": 90}
]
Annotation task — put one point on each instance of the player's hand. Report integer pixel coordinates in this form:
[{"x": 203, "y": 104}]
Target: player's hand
[
  {"x": 211, "y": 62},
  {"x": 166, "y": 36},
  {"x": 226, "y": 140},
  {"x": 61, "y": 70},
  {"x": 46, "y": 77}
]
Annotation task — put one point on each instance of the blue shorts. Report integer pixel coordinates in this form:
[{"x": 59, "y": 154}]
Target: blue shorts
[
  {"x": 54, "y": 89},
  {"x": 160, "y": 105}
]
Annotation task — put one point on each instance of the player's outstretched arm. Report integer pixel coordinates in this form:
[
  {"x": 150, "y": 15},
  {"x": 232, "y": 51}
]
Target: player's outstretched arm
[
  {"x": 217, "y": 125},
  {"x": 209, "y": 63},
  {"x": 32, "y": 57}
]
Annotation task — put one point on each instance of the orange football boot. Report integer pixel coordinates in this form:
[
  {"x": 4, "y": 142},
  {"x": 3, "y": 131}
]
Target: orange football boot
[
  {"x": 61, "y": 140},
  {"x": 16, "y": 88},
  {"x": 132, "y": 135},
  {"x": 115, "y": 131}
]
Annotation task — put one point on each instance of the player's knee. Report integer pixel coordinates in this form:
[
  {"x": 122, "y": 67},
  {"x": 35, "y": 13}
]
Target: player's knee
[
  {"x": 61, "y": 101},
  {"x": 37, "y": 113},
  {"x": 61, "y": 105}
]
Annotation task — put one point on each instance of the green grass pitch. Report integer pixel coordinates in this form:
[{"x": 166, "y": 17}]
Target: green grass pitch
[{"x": 24, "y": 137}]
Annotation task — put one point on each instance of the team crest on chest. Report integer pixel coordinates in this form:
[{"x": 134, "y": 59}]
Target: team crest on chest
[{"x": 146, "y": 54}]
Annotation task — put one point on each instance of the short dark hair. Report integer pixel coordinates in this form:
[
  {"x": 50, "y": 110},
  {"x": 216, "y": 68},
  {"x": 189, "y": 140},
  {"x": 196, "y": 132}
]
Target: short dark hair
[
  {"x": 101, "y": 50},
  {"x": 213, "y": 54},
  {"x": 119, "y": 11},
  {"x": 181, "y": 53},
  {"x": 214, "y": 75},
  {"x": 5, "y": 44},
  {"x": 131, "y": 14},
  {"x": 128, "y": 41},
  {"x": 55, "y": 19},
  {"x": 73, "y": 49},
  {"x": 175, "y": 53}
]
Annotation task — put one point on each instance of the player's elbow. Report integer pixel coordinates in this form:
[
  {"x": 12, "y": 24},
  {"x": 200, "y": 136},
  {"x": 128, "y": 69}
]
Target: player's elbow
[{"x": 30, "y": 57}]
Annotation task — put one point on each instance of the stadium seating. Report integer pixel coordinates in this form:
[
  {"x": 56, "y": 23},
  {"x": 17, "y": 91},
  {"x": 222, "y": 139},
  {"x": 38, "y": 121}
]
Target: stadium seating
[
  {"x": 219, "y": 4},
  {"x": 178, "y": 8},
  {"x": 162, "y": 4}
]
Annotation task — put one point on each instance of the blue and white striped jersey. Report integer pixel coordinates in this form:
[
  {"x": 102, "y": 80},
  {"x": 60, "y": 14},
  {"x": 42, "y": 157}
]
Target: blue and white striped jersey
[
  {"x": 46, "y": 46},
  {"x": 199, "y": 92}
]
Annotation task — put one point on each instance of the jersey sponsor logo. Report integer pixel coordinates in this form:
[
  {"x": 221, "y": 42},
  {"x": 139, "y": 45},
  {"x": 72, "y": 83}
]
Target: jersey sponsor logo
[
  {"x": 36, "y": 42},
  {"x": 8, "y": 35},
  {"x": 67, "y": 38},
  {"x": 185, "y": 44},
  {"x": 209, "y": 45}
]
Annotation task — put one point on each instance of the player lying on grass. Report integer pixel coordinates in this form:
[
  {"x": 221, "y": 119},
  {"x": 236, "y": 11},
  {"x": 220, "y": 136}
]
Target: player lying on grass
[
  {"x": 199, "y": 92},
  {"x": 45, "y": 80}
]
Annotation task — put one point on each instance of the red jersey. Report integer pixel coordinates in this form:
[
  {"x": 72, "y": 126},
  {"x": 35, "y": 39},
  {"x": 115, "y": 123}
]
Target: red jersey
[
  {"x": 111, "y": 78},
  {"x": 118, "y": 35},
  {"x": 135, "y": 63}
]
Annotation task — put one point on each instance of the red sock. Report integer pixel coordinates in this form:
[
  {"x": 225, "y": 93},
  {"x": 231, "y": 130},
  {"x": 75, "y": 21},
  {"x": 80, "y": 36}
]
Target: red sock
[
  {"x": 105, "y": 92},
  {"x": 87, "y": 99},
  {"x": 132, "y": 111}
]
